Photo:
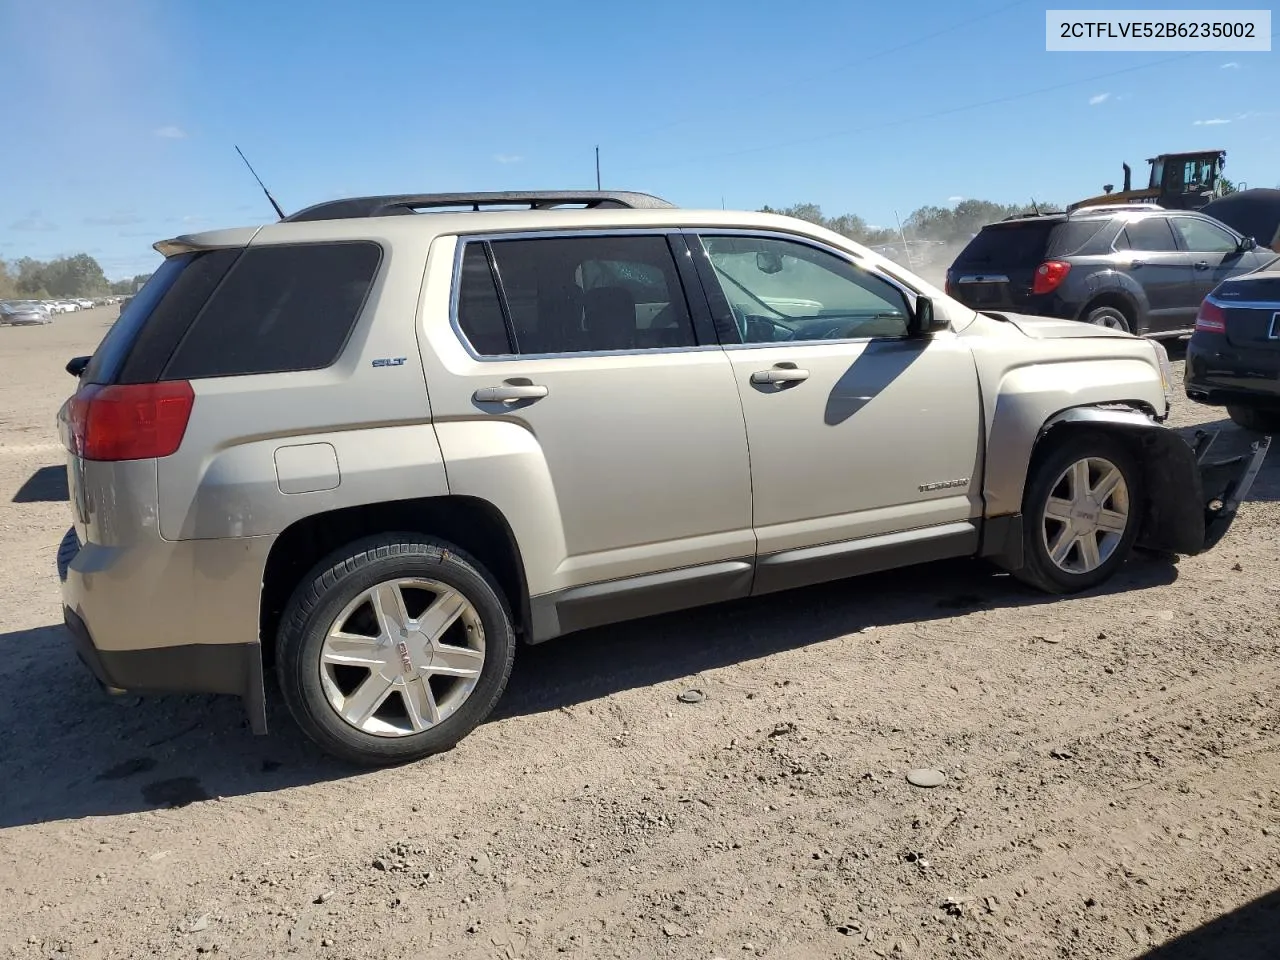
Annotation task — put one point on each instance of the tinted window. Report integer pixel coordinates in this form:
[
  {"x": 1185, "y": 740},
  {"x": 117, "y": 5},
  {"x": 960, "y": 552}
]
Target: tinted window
[
  {"x": 1071, "y": 237},
  {"x": 1149, "y": 235},
  {"x": 780, "y": 291},
  {"x": 1200, "y": 236},
  {"x": 280, "y": 308},
  {"x": 114, "y": 349},
  {"x": 571, "y": 295},
  {"x": 479, "y": 310},
  {"x": 174, "y": 314},
  {"x": 1006, "y": 246}
]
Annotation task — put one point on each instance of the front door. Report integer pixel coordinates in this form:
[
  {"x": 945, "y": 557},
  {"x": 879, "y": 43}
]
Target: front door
[
  {"x": 865, "y": 442},
  {"x": 1215, "y": 253},
  {"x": 582, "y": 402}
]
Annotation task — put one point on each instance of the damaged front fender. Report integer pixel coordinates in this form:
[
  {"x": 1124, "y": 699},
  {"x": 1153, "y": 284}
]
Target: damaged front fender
[{"x": 1191, "y": 501}]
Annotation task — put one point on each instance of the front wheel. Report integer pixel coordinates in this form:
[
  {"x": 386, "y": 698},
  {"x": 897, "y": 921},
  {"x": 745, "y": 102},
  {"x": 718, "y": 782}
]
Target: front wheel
[
  {"x": 394, "y": 648},
  {"x": 1081, "y": 513}
]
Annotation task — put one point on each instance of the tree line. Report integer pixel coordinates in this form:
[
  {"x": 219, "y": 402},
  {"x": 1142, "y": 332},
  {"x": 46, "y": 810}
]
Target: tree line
[
  {"x": 950, "y": 225},
  {"x": 79, "y": 275}
]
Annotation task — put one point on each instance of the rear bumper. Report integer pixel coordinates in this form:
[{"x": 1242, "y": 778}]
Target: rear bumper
[
  {"x": 1218, "y": 374},
  {"x": 176, "y": 623}
]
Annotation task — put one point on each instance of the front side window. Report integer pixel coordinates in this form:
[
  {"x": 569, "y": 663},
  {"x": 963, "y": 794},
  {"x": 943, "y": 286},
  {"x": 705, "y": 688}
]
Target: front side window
[
  {"x": 1200, "y": 236},
  {"x": 574, "y": 295},
  {"x": 782, "y": 290}
]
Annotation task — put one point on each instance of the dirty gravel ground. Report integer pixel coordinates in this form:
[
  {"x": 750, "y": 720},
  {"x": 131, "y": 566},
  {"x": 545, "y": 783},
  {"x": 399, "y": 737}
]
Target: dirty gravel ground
[{"x": 1111, "y": 768}]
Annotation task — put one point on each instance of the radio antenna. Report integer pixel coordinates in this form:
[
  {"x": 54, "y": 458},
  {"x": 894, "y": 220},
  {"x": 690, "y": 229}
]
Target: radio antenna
[{"x": 276, "y": 206}]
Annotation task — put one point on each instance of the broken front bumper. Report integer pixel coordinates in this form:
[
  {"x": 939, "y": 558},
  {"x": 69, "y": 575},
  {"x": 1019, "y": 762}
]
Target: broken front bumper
[{"x": 1225, "y": 483}]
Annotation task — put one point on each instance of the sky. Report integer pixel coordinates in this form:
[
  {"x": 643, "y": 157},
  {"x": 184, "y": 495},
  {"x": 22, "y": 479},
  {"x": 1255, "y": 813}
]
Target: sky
[{"x": 120, "y": 117}]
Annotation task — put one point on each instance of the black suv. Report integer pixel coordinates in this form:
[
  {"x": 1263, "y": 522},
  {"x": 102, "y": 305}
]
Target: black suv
[{"x": 1138, "y": 268}]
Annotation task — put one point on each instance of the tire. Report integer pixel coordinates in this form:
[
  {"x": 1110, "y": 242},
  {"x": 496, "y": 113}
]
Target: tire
[
  {"x": 1049, "y": 485},
  {"x": 1108, "y": 316},
  {"x": 396, "y": 663},
  {"x": 1259, "y": 421}
]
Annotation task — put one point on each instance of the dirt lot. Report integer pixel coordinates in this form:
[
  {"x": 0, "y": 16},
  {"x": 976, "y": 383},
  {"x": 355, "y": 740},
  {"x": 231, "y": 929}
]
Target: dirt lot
[{"x": 1112, "y": 772}]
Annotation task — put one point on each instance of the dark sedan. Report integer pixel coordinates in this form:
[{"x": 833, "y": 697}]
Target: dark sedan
[
  {"x": 23, "y": 313},
  {"x": 1233, "y": 359}
]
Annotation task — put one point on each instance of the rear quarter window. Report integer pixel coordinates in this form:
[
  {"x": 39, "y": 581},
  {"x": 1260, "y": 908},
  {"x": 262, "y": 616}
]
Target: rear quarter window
[
  {"x": 1073, "y": 236},
  {"x": 279, "y": 309}
]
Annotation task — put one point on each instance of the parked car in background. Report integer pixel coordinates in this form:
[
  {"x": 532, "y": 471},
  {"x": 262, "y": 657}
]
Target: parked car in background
[
  {"x": 85, "y": 304},
  {"x": 1135, "y": 268},
  {"x": 1233, "y": 359},
  {"x": 23, "y": 313}
]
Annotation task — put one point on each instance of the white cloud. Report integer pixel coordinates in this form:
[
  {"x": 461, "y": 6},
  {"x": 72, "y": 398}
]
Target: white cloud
[
  {"x": 507, "y": 158},
  {"x": 33, "y": 222},
  {"x": 1099, "y": 98},
  {"x": 1230, "y": 65},
  {"x": 1215, "y": 122},
  {"x": 954, "y": 199},
  {"x": 171, "y": 133}
]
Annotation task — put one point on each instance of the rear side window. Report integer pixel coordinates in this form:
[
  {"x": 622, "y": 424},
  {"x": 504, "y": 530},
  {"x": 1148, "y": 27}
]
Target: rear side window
[
  {"x": 1148, "y": 235},
  {"x": 279, "y": 309},
  {"x": 1005, "y": 246},
  {"x": 479, "y": 309},
  {"x": 573, "y": 295}
]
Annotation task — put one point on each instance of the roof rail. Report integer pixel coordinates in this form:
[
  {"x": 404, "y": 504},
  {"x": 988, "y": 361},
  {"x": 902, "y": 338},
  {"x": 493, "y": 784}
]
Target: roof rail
[
  {"x": 407, "y": 203},
  {"x": 1117, "y": 208}
]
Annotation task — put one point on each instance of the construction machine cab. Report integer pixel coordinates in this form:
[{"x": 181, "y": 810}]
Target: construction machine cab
[
  {"x": 1178, "y": 181},
  {"x": 1186, "y": 181}
]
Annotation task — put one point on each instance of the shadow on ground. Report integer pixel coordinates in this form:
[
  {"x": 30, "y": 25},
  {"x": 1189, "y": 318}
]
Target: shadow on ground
[
  {"x": 46, "y": 485},
  {"x": 1249, "y": 933},
  {"x": 67, "y": 752}
]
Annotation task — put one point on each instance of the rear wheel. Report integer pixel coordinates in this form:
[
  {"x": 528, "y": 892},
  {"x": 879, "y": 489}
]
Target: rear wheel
[
  {"x": 395, "y": 648},
  {"x": 1112, "y": 318},
  {"x": 1259, "y": 421},
  {"x": 1081, "y": 513}
]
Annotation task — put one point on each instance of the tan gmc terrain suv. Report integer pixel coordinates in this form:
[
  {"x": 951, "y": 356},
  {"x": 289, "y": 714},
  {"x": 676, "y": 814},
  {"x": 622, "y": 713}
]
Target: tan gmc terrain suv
[{"x": 377, "y": 443}]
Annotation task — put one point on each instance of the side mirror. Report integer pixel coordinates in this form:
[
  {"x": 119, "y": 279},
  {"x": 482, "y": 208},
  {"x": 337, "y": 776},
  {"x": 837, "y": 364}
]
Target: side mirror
[
  {"x": 924, "y": 321},
  {"x": 76, "y": 365},
  {"x": 768, "y": 262},
  {"x": 1247, "y": 244}
]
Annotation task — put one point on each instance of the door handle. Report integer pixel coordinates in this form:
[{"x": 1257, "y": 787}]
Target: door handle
[
  {"x": 509, "y": 392},
  {"x": 780, "y": 375},
  {"x": 1138, "y": 263},
  {"x": 1201, "y": 265}
]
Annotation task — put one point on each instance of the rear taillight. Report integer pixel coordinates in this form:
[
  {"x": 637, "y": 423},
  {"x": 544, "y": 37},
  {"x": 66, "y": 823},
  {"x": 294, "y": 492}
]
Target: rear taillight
[
  {"x": 1211, "y": 318},
  {"x": 129, "y": 422},
  {"x": 1049, "y": 275}
]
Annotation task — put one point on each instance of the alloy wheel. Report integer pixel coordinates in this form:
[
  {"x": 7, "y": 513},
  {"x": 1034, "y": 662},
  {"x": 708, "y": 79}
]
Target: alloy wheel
[{"x": 402, "y": 657}]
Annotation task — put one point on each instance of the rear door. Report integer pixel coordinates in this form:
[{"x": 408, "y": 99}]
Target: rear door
[
  {"x": 1148, "y": 251},
  {"x": 996, "y": 270},
  {"x": 579, "y": 379}
]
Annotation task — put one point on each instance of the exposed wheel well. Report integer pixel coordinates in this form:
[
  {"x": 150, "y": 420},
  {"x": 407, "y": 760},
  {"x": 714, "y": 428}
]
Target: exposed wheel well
[
  {"x": 474, "y": 525},
  {"x": 1117, "y": 300}
]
